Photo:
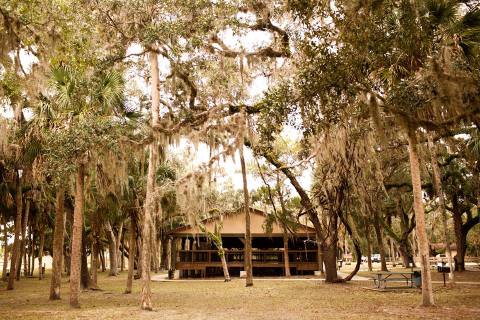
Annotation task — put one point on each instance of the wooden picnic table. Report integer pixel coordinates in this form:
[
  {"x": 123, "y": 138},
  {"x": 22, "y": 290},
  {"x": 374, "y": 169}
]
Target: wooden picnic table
[{"x": 381, "y": 278}]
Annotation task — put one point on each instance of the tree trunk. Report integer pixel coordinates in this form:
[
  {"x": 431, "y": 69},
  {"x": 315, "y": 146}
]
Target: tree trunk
[
  {"x": 15, "y": 256},
  {"x": 393, "y": 255},
  {"x": 286, "y": 259},
  {"x": 28, "y": 253},
  {"x": 95, "y": 262},
  {"x": 118, "y": 242},
  {"x": 5, "y": 249},
  {"x": 437, "y": 183},
  {"x": 40, "y": 251},
  {"x": 459, "y": 237},
  {"x": 226, "y": 274},
  {"x": 122, "y": 253},
  {"x": 369, "y": 247},
  {"x": 356, "y": 245},
  {"x": 95, "y": 250},
  {"x": 139, "y": 258},
  {"x": 164, "y": 255},
  {"x": 32, "y": 251},
  {"x": 149, "y": 197},
  {"x": 406, "y": 253},
  {"x": 112, "y": 250},
  {"x": 84, "y": 274},
  {"x": 330, "y": 250},
  {"x": 248, "y": 237},
  {"x": 330, "y": 260},
  {"x": 427, "y": 291},
  {"x": 146, "y": 229},
  {"x": 381, "y": 247},
  {"x": 153, "y": 235},
  {"x": 76, "y": 254},
  {"x": 23, "y": 242},
  {"x": 102, "y": 260},
  {"x": 67, "y": 258},
  {"x": 57, "y": 248},
  {"x": 320, "y": 258},
  {"x": 132, "y": 252}
]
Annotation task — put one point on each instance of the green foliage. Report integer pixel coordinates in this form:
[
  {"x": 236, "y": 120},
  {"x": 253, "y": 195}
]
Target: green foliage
[
  {"x": 441, "y": 12},
  {"x": 165, "y": 173}
]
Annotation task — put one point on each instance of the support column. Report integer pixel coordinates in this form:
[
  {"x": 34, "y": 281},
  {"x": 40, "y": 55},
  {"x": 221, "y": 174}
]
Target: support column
[{"x": 173, "y": 256}]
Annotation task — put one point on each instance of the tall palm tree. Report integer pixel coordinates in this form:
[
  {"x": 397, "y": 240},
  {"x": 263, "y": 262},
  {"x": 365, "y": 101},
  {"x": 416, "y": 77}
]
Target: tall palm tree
[
  {"x": 86, "y": 104},
  {"x": 149, "y": 207}
]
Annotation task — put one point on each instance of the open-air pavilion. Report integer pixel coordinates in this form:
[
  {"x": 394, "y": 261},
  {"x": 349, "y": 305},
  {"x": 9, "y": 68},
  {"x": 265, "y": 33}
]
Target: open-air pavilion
[{"x": 195, "y": 255}]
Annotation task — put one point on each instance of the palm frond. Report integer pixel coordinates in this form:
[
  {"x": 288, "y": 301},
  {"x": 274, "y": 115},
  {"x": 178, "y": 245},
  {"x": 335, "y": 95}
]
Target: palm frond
[
  {"x": 468, "y": 29},
  {"x": 441, "y": 12},
  {"x": 110, "y": 91}
]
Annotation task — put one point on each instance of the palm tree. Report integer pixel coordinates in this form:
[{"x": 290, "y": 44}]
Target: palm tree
[
  {"x": 149, "y": 197},
  {"x": 85, "y": 104},
  {"x": 6, "y": 203},
  {"x": 446, "y": 26},
  {"x": 248, "y": 237}
]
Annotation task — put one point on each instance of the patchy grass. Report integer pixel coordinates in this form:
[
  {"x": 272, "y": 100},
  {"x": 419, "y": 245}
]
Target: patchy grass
[{"x": 273, "y": 299}]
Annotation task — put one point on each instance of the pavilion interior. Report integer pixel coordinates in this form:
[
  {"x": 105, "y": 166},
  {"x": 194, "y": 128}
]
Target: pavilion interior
[{"x": 267, "y": 255}]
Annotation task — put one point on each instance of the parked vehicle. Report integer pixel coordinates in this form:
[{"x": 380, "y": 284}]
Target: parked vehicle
[{"x": 374, "y": 257}]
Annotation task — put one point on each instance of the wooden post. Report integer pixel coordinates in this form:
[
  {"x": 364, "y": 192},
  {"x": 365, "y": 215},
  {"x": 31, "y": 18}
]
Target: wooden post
[{"x": 173, "y": 256}]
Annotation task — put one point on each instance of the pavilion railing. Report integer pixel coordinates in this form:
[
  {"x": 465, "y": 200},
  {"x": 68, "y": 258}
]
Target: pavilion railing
[{"x": 258, "y": 256}]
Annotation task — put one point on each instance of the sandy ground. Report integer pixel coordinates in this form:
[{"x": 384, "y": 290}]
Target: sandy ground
[{"x": 267, "y": 299}]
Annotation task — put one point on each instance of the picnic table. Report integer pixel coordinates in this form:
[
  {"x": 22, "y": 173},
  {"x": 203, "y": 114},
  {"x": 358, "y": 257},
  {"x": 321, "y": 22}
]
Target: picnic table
[{"x": 381, "y": 278}]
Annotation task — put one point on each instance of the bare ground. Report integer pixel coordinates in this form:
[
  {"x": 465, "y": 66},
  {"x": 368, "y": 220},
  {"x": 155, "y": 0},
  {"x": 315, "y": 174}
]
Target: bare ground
[{"x": 273, "y": 299}]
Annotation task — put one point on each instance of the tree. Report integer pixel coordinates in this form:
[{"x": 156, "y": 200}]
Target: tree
[
  {"x": 149, "y": 200},
  {"x": 92, "y": 127},
  {"x": 437, "y": 180},
  {"x": 77, "y": 236},
  {"x": 216, "y": 237},
  {"x": 248, "y": 238},
  {"x": 358, "y": 69}
]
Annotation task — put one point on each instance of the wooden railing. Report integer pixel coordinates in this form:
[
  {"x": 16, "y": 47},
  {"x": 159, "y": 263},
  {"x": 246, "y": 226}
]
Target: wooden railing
[{"x": 258, "y": 256}]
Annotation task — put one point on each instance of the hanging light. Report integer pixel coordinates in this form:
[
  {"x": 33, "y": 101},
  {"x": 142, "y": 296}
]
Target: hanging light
[{"x": 20, "y": 173}]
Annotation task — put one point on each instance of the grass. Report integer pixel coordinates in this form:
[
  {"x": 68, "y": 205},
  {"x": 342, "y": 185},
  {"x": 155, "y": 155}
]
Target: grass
[{"x": 273, "y": 299}]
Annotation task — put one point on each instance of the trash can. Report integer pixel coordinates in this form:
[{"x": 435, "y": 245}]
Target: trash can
[
  {"x": 443, "y": 268},
  {"x": 417, "y": 279}
]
